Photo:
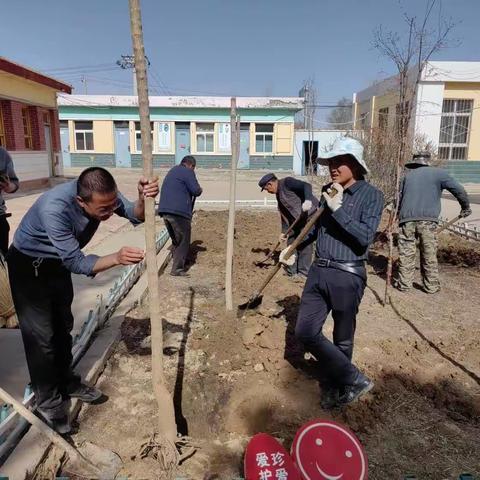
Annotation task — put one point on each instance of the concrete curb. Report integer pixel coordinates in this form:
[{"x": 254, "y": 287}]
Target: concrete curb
[{"x": 33, "y": 447}]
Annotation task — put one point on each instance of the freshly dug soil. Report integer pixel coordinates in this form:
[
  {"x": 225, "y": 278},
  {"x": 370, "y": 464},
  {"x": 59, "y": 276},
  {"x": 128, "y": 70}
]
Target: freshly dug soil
[{"x": 235, "y": 377}]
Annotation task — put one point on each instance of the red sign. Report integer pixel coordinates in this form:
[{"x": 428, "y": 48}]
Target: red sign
[
  {"x": 266, "y": 459},
  {"x": 325, "y": 450}
]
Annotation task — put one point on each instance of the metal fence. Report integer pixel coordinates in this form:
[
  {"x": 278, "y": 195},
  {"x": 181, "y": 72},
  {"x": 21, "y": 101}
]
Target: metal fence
[
  {"x": 472, "y": 232},
  {"x": 11, "y": 424}
]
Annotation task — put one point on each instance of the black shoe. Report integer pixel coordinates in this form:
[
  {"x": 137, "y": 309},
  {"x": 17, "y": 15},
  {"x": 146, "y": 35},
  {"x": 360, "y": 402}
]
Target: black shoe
[
  {"x": 60, "y": 424},
  {"x": 85, "y": 393},
  {"x": 353, "y": 392},
  {"x": 330, "y": 397},
  {"x": 179, "y": 273}
]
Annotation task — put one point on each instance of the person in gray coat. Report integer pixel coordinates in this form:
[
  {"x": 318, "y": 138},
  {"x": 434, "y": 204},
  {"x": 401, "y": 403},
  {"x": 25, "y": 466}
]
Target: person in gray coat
[
  {"x": 420, "y": 194},
  {"x": 8, "y": 184}
]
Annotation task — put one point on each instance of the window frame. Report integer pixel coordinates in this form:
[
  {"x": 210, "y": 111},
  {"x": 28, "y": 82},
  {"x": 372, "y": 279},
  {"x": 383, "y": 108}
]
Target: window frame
[
  {"x": 139, "y": 132},
  {"x": 263, "y": 134},
  {"x": 383, "y": 118},
  {"x": 159, "y": 126},
  {"x": 27, "y": 128},
  {"x": 84, "y": 132},
  {"x": 451, "y": 148},
  {"x": 205, "y": 133}
]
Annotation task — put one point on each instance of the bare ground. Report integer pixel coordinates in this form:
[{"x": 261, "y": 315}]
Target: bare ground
[{"x": 235, "y": 377}]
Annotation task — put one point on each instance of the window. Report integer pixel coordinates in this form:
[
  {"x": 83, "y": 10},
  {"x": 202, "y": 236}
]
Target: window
[
  {"x": 205, "y": 137},
  {"x": 224, "y": 137},
  {"x": 264, "y": 137},
  {"x": 383, "y": 118},
  {"x": 3, "y": 139},
  {"x": 84, "y": 136},
  {"x": 27, "y": 128},
  {"x": 138, "y": 136},
  {"x": 164, "y": 136},
  {"x": 454, "y": 129}
]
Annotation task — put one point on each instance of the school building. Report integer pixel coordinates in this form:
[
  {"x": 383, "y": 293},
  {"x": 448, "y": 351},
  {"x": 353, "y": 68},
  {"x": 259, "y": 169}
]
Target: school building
[
  {"x": 105, "y": 130},
  {"x": 29, "y": 126},
  {"x": 446, "y": 113}
]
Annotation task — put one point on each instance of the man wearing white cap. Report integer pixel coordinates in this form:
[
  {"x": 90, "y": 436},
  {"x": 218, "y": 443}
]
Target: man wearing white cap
[{"x": 337, "y": 277}]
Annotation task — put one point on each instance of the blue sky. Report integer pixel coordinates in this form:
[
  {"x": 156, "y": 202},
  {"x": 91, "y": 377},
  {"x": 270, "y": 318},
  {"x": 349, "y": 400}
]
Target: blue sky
[{"x": 247, "y": 47}]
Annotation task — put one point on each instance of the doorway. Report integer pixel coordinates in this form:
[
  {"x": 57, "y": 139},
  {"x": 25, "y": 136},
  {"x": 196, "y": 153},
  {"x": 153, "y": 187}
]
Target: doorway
[
  {"x": 182, "y": 141},
  {"x": 310, "y": 155}
]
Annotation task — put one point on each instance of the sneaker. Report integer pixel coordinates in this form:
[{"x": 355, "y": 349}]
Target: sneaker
[
  {"x": 330, "y": 397},
  {"x": 353, "y": 392},
  {"x": 60, "y": 424},
  {"x": 85, "y": 393}
]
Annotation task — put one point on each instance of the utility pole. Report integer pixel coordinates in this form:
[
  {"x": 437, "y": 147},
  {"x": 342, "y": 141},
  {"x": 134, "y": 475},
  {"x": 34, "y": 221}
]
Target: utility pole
[
  {"x": 128, "y": 61},
  {"x": 166, "y": 412},
  {"x": 83, "y": 79},
  {"x": 234, "y": 142}
]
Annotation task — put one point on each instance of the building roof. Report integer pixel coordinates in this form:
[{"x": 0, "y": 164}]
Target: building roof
[
  {"x": 441, "y": 71},
  {"x": 32, "y": 75},
  {"x": 287, "y": 103}
]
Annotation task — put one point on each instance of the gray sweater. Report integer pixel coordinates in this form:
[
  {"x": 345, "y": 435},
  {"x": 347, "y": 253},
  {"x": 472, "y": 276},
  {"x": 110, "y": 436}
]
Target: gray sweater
[
  {"x": 421, "y": 191},
  {"x": 6, "y": 168}
]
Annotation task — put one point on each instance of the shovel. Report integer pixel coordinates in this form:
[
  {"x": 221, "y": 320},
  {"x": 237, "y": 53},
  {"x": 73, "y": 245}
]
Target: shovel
[
  {"x": 290, "y": 228},
  {"x": 256, "y": 299},
  {"x": 90, "y": 461},
  {"x": 448, "y": 224}
]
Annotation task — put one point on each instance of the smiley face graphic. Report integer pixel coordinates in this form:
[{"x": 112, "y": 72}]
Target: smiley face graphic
[{"x": 326, "y": 450}]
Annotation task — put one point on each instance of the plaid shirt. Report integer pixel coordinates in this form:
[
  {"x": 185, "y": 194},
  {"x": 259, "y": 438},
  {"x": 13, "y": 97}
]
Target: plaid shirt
[{"x": 346, "y": 234}]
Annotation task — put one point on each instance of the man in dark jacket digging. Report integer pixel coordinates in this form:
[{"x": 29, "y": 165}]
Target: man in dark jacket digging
[
  {"x": 295, "y": 199},
  {"x": 177, "y": 197},
  {"x": 420, "y": 205}
]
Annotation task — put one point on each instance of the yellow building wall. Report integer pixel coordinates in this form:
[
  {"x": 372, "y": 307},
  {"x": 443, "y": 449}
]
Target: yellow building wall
[
  {"x": 468, "y": 91},
  {"x": 283, "y": 138},
  {"x": 23, "y": 90}
]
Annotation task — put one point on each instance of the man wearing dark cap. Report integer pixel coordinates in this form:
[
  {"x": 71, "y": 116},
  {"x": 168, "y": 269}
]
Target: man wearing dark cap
[
  {"x": 295, "y": 199},
  {"x": 420, "y": 195},
  {"x": 337, "y": 278}
]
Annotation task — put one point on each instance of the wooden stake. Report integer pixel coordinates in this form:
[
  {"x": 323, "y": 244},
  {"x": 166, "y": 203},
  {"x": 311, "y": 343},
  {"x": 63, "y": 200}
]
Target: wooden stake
[
  {"x": 166, "y": 415},
  {"x": 234, "y": 141}
]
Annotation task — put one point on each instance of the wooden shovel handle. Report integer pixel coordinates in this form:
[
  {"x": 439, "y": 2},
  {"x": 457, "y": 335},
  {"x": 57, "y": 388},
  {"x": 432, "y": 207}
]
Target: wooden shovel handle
[
  {"x": 448, "y": 224},
  {"x": 51, "y": 434},
  {"x": 308, "y": 226}
]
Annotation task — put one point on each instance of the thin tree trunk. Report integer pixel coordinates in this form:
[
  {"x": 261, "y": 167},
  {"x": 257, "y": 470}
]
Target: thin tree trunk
[
  {"x": 166, "y": 416},
  {"x": 234, "y": 134}
]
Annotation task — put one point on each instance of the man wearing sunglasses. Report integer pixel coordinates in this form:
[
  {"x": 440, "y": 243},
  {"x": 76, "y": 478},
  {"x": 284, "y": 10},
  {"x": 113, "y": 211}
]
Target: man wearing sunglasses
[{"x": 45, "y": 251}]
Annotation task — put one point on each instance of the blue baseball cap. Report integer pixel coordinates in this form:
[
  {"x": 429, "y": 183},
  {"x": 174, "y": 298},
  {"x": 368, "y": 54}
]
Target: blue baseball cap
[{"x": 265, "y": 179}]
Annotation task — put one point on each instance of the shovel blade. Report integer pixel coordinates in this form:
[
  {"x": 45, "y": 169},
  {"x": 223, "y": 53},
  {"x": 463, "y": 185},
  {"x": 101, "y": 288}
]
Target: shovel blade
[
  {"x": 252, "y": 303},
  {"x": 105, "y": 464}
]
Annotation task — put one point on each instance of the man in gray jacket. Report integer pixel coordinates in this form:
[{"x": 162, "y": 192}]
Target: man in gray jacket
[
  {"x": 420, "y": 194},
  {"x": 8, "y": 184}
]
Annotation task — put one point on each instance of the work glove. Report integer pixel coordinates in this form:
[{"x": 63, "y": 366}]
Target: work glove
[
  {"x": 306, "y": 205},
  {"x": 288, "y": 262},
  {"x": 465, "y": 212},
  {"x": 282, "y": 238},
  {"x": 335, "y": 202}
]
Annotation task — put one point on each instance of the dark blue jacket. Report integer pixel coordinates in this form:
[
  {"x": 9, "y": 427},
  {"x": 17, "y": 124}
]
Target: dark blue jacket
[{"x": 179, "y": 188}]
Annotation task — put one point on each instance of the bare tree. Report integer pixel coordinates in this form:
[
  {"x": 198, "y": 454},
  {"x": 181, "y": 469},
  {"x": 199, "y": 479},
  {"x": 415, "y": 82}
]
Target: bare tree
[
  {"x": 410, "y": 55},
  {"x": 340, "y": 118}
]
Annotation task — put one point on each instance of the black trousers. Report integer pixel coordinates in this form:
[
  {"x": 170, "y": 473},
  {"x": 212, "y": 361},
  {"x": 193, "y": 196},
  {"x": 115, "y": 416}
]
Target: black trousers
[
  {"x": 4, "y": 231},
  {"x": 180, "y": 231},
  {"x": 43, "y": 305},
  {"x": 330, "y": 290}
]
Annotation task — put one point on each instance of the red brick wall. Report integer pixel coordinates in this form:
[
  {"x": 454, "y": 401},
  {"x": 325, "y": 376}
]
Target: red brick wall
[{"x": 13, "y": 123}]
